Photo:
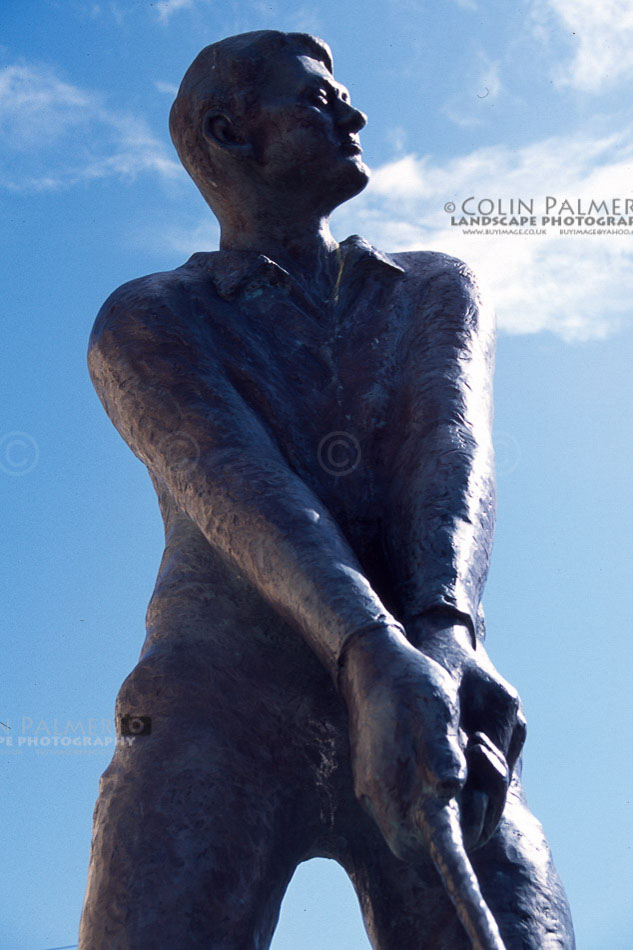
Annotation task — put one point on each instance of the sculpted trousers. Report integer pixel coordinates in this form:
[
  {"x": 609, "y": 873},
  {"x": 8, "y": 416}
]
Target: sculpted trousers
[{"x": 201, "y": 823}]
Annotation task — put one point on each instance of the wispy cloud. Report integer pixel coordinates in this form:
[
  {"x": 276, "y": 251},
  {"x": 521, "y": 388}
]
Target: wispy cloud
[
  {"x": 579, "y": 287},
  {"x": 167, "y": 8},
  {"x": 56, "y": 134},
  {"x": 167, "y": 88},
  {"x": 482, "y": 87},
  {"x": 175, "y": 240},
  {"x": 304, "y": 19},
  {"x": 600, "y": 35}
]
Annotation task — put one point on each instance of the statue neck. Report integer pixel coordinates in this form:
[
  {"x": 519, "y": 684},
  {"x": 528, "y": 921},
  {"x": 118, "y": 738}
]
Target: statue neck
[{"x": 305, "y": 248}]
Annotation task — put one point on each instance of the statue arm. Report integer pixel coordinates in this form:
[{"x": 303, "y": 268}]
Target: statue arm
[
  {"x": 172, "y": 404},
  {"x": 441, "y": 511},
  {"x": 438, "y": 526}
]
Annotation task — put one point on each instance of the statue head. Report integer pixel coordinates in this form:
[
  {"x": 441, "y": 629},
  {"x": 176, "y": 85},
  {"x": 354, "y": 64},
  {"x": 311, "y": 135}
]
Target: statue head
[{"x": 261, "y": 114}]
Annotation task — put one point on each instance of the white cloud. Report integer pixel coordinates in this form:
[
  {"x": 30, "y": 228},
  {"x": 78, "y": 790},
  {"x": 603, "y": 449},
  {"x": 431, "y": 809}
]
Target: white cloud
[
  {"x": 56, "y": 134},
  {"x": 579, "y": 287},
  {"x": 166, "y": 8},
  {"x": 122, "y": 10},
  {"x": 180, "y": 237},
  {"x": 397, "y": 137},
  {"x": 482, "y": 87},
  {"x": 167, "y": 88},
  {"x": 35, "y": 105},
  {"x": 601, "y": 33},
  {"x": 304, "y": 19},
  {"x": 491, "y": 82}
]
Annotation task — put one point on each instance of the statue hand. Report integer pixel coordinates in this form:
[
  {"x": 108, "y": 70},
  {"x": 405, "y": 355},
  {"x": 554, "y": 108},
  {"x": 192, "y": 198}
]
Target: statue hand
[
  {"x": 434, "y": 720},
  {"x": 492, "y": 723}
]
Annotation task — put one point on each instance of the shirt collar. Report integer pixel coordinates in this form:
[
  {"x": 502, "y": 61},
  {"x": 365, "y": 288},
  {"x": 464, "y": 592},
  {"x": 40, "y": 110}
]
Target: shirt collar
[
  {"x": 234, "y": 271},
  {"x": 359, "y": 249}
]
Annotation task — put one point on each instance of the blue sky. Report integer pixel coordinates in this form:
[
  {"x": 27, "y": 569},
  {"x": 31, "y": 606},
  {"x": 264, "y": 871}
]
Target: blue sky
[{"x": 466, "y": 99}]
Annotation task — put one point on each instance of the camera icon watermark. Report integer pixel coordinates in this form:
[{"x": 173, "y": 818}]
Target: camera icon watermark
[{"x": 136, "y": 725}]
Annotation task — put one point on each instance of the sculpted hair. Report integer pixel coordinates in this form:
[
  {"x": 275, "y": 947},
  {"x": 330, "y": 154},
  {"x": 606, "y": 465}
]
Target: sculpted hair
[{"x": 226, "y": 76}]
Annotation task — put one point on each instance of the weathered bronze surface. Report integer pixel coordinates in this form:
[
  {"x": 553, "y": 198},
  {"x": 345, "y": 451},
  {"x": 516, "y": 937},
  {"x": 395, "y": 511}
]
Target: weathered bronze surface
[{"x": 315, "y": 418}]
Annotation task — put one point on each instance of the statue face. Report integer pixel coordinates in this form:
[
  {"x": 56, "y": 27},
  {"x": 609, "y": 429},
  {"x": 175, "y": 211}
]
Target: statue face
[{"x": 305, "y": 135}]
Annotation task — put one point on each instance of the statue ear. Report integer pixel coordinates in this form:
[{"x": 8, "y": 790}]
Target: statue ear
[{"x": 221, "y": 131}]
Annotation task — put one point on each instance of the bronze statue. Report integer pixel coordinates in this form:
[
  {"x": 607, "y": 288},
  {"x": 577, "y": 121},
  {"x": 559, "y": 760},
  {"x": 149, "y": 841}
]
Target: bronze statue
[{"x": 315, "y": 419}]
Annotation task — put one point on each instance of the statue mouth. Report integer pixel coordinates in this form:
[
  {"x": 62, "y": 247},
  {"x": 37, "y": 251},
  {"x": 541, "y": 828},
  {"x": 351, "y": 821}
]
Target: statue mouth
[{"x": 351, "y": 147}]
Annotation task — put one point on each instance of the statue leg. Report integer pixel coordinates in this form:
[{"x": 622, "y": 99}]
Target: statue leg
[
  {"x": 407, "y": 907},
  {"x": 195, "y": 839}
]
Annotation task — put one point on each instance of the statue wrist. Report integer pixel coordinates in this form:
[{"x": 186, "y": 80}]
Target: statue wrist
[
  {"x": 440, "y": 623},
  {"x": 364, "y": 647}
]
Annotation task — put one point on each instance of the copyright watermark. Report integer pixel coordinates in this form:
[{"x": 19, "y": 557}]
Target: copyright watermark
[
  {"x": 518, "y": 215},
  {"x": 19, "y": 453},
  {"x": 57, "y": 735},
  {"x": 339, "y": 453},
  {"x": 70, "y": 736},
  {"x": 181, "y": 452}
]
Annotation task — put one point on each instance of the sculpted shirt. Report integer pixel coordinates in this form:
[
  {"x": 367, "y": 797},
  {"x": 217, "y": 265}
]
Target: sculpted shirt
[{"x": 326, "y": 463}]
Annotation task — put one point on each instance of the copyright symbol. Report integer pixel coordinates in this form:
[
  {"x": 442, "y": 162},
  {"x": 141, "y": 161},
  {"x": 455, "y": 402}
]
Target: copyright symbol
[
  {"x": 449, "y": 207},
  {"x": 19, "y": 453},
  {"x": 339, "y": 453},
  {"x": 181, "y": 452}
]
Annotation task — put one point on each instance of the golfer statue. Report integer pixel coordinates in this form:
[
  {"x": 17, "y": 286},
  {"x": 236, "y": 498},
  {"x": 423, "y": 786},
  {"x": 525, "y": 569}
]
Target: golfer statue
[{"x": 315, "y": 419}]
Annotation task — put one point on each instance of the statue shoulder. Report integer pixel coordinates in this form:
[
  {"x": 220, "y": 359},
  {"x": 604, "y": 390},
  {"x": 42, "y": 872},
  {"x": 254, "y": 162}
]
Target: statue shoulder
[
  {"x": 154, "y": 300},
  {"x": 447, "y": 286},
  {"x": 153, "y": 325},
  {"x": 427, "y": 266}
]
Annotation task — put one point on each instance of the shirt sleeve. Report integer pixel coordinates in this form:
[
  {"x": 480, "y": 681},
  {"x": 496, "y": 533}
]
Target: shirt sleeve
[
  {"x": 169, "y": 399},
  {"x": 440, "y": 512}
]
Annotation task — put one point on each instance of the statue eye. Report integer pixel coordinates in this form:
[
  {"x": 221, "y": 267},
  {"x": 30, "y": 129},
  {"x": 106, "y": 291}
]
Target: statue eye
[{"x": 321, "y": 97}]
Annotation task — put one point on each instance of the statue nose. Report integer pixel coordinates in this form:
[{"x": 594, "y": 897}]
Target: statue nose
[{"x": 350, "y": 119}]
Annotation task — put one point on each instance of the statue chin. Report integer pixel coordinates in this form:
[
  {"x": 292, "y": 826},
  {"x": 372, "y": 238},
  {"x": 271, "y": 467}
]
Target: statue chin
[{"x": 349, "y": 183}]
